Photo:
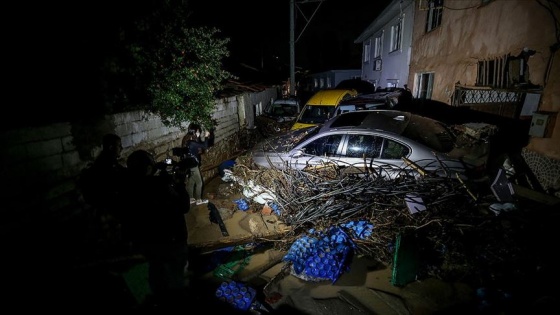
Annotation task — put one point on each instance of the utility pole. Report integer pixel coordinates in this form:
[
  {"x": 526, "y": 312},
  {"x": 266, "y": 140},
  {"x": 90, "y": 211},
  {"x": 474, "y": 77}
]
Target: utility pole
[
  {"x": 292, "y": 49},
  {"x": 293, "y": 40}
]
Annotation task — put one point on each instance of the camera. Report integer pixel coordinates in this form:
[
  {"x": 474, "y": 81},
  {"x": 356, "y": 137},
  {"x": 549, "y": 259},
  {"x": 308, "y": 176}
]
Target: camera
[{"x": 180, "y": 152}]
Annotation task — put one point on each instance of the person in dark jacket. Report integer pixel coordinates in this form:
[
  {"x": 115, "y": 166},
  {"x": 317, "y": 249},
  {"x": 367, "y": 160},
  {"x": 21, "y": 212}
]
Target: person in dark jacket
[
  {"x": 101, "y": 186},
  {"x": 154, "y": 223},
  {"x": 194, "y": 181}
]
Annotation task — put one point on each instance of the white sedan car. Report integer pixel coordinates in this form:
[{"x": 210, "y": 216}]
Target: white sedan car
[{"x": 387, "y": 142}]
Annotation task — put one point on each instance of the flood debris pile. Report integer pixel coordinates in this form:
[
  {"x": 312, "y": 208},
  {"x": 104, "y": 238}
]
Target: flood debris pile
[{"x": 455, "y": 237}]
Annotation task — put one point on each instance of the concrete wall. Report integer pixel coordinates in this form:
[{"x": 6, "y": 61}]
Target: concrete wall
[
  {"x": 471, "y": 32},
  {"x": 40, "y": 165}
]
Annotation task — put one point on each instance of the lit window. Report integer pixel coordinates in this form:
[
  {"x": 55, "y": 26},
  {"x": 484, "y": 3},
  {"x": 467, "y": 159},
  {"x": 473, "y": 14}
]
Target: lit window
[
  {"x": 396, "y": 35},
  {"x": 378, "y": 42},
  {"x": 424, "y": 85},
  {"x": 367, "y": 50}
]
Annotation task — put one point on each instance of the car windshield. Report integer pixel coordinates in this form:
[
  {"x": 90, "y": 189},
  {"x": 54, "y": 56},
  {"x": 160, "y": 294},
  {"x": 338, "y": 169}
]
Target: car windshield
[
  {"x": 316, "y": 114},
  {"x": 282, "y": 109}
]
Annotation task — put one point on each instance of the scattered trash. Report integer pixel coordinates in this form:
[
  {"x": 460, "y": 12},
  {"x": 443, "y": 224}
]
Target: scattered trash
[
  {"x": 236, "y": 294},
  {"x": 498, "y": 208},
  {"x": 275, "y": 207},
  {"x": 258, "y": 193},
  {"x": 324, "y": 257},
  {"x": 242, "y": 204},
  {"x": 224, "y": 170},
  {"x": 501, "y": 187},
  {"x": 237, "y": 260},
  {"x": 414, "y": 203},
  {"x": 359, "y": 229}
]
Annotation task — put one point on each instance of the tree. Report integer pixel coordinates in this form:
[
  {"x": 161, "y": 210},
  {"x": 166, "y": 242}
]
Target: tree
[
  {"x": 186, "y": 74},
  {"x": 177, "y": 68}
]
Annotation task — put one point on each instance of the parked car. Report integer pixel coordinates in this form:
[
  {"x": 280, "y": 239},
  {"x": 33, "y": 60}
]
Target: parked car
[
  {"x": 320, "y": 107},
  {"x": 279, "y": 116},
  {"x": 389, "y": 98},
  {"x": 386, "y": 141}
]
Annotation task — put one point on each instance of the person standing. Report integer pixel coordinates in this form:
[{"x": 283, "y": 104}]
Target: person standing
[
  {"x": 195, "y": 149},
  {"x": 155, "y": 225},
  {"x": 101, "y": 186}
]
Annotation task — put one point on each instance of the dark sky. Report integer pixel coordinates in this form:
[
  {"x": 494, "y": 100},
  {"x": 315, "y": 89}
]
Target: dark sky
[
  {"x": 260, "y": 30},
  {"x": 52, "y": 50}
]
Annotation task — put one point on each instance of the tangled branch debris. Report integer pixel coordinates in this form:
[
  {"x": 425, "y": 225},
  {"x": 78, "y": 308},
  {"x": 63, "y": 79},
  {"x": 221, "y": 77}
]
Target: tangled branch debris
[{"x": 454, "y": 235}]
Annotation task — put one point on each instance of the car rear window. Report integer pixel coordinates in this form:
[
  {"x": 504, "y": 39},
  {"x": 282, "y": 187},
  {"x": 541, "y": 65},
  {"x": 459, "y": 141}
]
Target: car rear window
[{"x": 431, "y": 133}]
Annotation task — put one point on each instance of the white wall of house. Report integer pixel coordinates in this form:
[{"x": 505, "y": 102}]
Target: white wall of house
[{"x": 390, "y": 68}]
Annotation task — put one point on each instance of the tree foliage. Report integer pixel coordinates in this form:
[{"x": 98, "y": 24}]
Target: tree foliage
[
  {"x": 176, "y": 68},
  {"x": 186, "y": 73}
]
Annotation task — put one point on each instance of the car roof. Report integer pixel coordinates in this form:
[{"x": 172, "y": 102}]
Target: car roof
[
  {"x": 388, "y": 120},
  {"x": 365, "y": 99},
  {"x": 330, "y": 96},
  {"x": 287, "y": 100},
  {"x": 427, "y": 131}
]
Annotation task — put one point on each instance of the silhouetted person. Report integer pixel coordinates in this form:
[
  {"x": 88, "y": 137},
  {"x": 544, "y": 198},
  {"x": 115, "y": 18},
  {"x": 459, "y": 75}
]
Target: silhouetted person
[
  {"x": 101, "y": 185},
  {"x": 154, "y": 223}
]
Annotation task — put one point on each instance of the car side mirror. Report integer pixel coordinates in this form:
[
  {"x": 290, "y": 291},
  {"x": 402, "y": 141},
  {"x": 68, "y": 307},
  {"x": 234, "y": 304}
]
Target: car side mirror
[{"x": 297, "y": 153}]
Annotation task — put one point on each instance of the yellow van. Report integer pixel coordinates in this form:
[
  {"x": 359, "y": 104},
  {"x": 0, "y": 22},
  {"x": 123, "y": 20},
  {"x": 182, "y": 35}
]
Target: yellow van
[{"x": 320, "y": 107}]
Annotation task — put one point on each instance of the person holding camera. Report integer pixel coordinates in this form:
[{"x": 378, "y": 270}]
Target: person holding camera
[{"x": 195, "y": 149}]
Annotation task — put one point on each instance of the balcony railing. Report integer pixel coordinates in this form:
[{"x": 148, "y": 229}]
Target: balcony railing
[{"x": 501, "y": 102}]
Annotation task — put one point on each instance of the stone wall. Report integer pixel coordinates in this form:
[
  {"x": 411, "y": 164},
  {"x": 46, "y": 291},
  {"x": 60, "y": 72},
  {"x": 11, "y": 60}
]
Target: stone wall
[{"x": 41, "y": 165}]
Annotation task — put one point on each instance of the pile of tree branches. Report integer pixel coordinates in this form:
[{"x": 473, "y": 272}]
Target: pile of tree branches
[{"x": 455, "y": 237}]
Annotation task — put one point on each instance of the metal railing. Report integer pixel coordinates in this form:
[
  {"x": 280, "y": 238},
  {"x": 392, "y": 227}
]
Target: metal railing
[{"x": 472, "y": 95}]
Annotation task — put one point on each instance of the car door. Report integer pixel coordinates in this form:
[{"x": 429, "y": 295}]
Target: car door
[
  {"x": 317, "y": 151},
  {"x": 375, "y": 153}
]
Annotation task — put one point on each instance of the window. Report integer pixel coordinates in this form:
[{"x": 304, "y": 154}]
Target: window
[
  {"x": 324, "y": 146},
  {"x": 367, "y": 50},
  {"x": 424, "y": 85},
  {"x": 377, "y": 51},
  {"x": 377, "y": 65},
  {"x": 495, "y": 72},
  {"x": 392, "y": 83},
  {"x": 394, "y": 150},
  {"x": 363, "y": 146},
  {"x": 433, "y": 19},
  {"x": 396, "y": 35}
]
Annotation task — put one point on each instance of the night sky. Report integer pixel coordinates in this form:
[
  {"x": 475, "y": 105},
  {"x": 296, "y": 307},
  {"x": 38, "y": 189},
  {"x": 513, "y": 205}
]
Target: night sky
[{"x": 53, "y": 50}]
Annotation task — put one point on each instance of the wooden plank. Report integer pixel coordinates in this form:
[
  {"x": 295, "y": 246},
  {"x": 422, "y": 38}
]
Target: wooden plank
[{"x": 534, "y": 195}]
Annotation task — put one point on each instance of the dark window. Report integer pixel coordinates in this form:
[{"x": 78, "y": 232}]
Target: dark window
[
  {"x": 433, "y": 19},
  {"x": 363, "y": 146},
  {"x": 394, "y": 150},
  {"x": 324, "y": 146},
  {"x": 495, "y": 72}
]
